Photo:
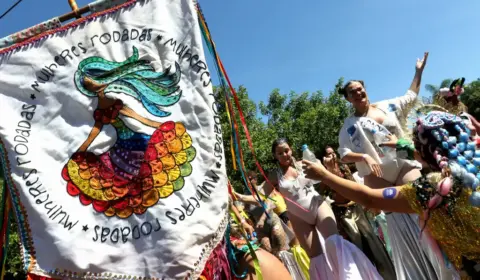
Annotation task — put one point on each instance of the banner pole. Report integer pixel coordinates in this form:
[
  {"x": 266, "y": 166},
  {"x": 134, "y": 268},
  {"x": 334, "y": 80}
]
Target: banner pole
[
  {"x": 74, "y": 6},
  {"x": 75, "y": 13}
]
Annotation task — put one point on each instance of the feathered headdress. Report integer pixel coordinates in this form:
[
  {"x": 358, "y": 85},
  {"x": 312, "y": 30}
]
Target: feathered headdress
[
  {"x": 441, "y": 102},
  {"x": 448, "y": 98},
  {"x": 455, "y": 89}
]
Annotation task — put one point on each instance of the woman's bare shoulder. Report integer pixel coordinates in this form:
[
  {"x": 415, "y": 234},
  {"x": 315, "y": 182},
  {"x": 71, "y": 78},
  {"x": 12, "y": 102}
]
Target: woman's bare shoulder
[{"x": 273, "y": 177}]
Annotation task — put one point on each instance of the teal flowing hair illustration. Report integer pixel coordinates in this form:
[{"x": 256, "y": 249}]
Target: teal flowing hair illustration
[
  {"x": 133, "y": 77},
  {"x": 139, "y": 169}
]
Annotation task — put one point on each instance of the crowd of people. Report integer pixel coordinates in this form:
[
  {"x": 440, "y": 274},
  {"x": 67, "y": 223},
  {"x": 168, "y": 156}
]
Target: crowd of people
[{"x": 397, "y": 202}]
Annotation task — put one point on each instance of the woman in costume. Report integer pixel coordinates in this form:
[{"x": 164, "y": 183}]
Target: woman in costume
[
  {"x": 360, "y": 141},
  {"x": 138, "y": 169},
  {"x": 239, "y": 256},
  {"x": 310, "y": 215},
  {"x": 270, "y": 232},
  {"x": 353, "y": 223},
  {"x": 447, "y": 199},
  {"x": 448, "y": 98},
  {"x": 277, "y": 225},
  {"x": 247, "y": 259},
  {"x": 360, "y": 133},
  {"x": 279, "y": 207}
]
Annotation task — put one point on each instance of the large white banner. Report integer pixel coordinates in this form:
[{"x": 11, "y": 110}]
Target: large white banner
[{"x": 112, "y": 145}]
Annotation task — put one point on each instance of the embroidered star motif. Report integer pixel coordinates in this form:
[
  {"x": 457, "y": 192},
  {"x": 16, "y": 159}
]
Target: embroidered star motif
[
  {"x": 219, "y": 165},
  {"x": 85, "y": 227},
  {"x": 307, "y": 190},
  {"x": 32, "y": 96}
]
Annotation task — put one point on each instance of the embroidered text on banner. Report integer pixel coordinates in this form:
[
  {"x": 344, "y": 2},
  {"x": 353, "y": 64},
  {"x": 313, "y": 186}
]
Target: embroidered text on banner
[{"x": 112, "y": 145}]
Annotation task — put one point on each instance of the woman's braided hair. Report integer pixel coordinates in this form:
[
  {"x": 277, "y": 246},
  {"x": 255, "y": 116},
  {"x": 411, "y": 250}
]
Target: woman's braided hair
[{"x": 443, "y": 141}]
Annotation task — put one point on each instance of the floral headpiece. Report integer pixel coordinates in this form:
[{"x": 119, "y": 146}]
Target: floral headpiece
[{"x": 455, "y": 89}]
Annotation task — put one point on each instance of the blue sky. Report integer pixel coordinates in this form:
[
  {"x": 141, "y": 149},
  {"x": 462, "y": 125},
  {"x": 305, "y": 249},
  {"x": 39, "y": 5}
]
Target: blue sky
[{"x": 307, "y": 45}]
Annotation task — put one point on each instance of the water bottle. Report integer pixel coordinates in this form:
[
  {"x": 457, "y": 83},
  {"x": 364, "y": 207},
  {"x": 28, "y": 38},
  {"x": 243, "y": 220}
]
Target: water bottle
[
  {"x": 308, "y": 155},
  {"x": 385, "y": 153}
]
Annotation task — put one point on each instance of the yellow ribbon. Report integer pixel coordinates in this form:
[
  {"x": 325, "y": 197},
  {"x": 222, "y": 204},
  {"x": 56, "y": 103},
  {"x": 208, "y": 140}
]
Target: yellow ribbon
[
  {"x": 256, "y": 264},
  {"x": 302, "y": 260}
]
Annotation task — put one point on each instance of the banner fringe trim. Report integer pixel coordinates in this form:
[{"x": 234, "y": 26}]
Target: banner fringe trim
[{"x": 26, "y": 247}]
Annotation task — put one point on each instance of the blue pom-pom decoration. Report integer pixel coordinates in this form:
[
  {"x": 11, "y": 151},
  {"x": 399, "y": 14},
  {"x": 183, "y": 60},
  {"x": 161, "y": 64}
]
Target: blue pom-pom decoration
[
  {"x": 455, "y": 168},
  {"x": 461, "y": 147},
  {"x": 445, "y": 145},
  {"x": 471, "y": 168},
  {"x": 452, "y": 141},
  {"x": 475, "y": 199},
  {"x": 468, "y": 179},
  {"x": 444, "y": 132},
  {"x": 463, "y": 137},
  {"x": 471, "y": 146},
  {"x": 475, "y": 184},
  {"x": 476, "y": 161},
  {"x": 477, "y": 153},
  {"x": 468, "y": 155},
  {"x": 453, "y": 153},
  {"x": 462, "y": 160}
]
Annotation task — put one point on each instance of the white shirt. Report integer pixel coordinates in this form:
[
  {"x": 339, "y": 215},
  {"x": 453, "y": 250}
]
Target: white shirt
[{"x": 354, "y": 138}]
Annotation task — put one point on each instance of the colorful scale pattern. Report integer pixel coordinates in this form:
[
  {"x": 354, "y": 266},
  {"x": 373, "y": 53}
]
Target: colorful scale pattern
[{"x": 136, "y": 172}]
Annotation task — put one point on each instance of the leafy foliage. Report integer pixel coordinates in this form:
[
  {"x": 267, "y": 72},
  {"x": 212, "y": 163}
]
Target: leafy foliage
[
  {"x": 471, "y": 98},
  {"x": 13, "y": 267},
  {"x": 303, "y": 118}
]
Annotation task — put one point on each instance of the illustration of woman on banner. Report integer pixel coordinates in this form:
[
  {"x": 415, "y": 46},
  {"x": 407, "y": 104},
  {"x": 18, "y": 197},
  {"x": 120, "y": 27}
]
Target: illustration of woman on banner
[{"x": 139, "y": 169}]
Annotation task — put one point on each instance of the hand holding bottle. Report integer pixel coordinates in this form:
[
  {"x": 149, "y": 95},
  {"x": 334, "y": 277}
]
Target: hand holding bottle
[
  {"x": 310, "y": 157},
  {"x": 373, "y": 165}
]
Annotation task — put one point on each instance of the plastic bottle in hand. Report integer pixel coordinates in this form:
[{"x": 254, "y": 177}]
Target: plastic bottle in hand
[
  {"x": 308, "y": 155},
  {"x": 385, "y": 153}
]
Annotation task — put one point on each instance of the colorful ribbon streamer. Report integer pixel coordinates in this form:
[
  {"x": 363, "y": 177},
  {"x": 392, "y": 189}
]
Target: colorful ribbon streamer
[
  {"x": 237, "y": 150},
  {"x": 226, "y": 84}
]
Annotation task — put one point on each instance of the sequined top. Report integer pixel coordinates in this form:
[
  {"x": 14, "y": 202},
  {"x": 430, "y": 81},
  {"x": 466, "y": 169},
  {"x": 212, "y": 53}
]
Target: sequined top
[{"x": 457, "y": 234}]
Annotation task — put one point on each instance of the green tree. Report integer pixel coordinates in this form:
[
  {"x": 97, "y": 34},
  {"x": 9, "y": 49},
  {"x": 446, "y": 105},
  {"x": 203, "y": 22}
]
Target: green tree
[
  {"x": 471, "y": 98},
  {"x": 304, "y": 118},
  {"x": 259, "y": 132},
  {"x": 13, "y": 266},
  {"x": 307, "y": 118}
]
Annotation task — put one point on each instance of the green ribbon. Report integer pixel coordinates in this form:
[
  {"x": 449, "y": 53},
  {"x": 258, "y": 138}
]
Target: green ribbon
[{"x": 405, "y": 149}]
